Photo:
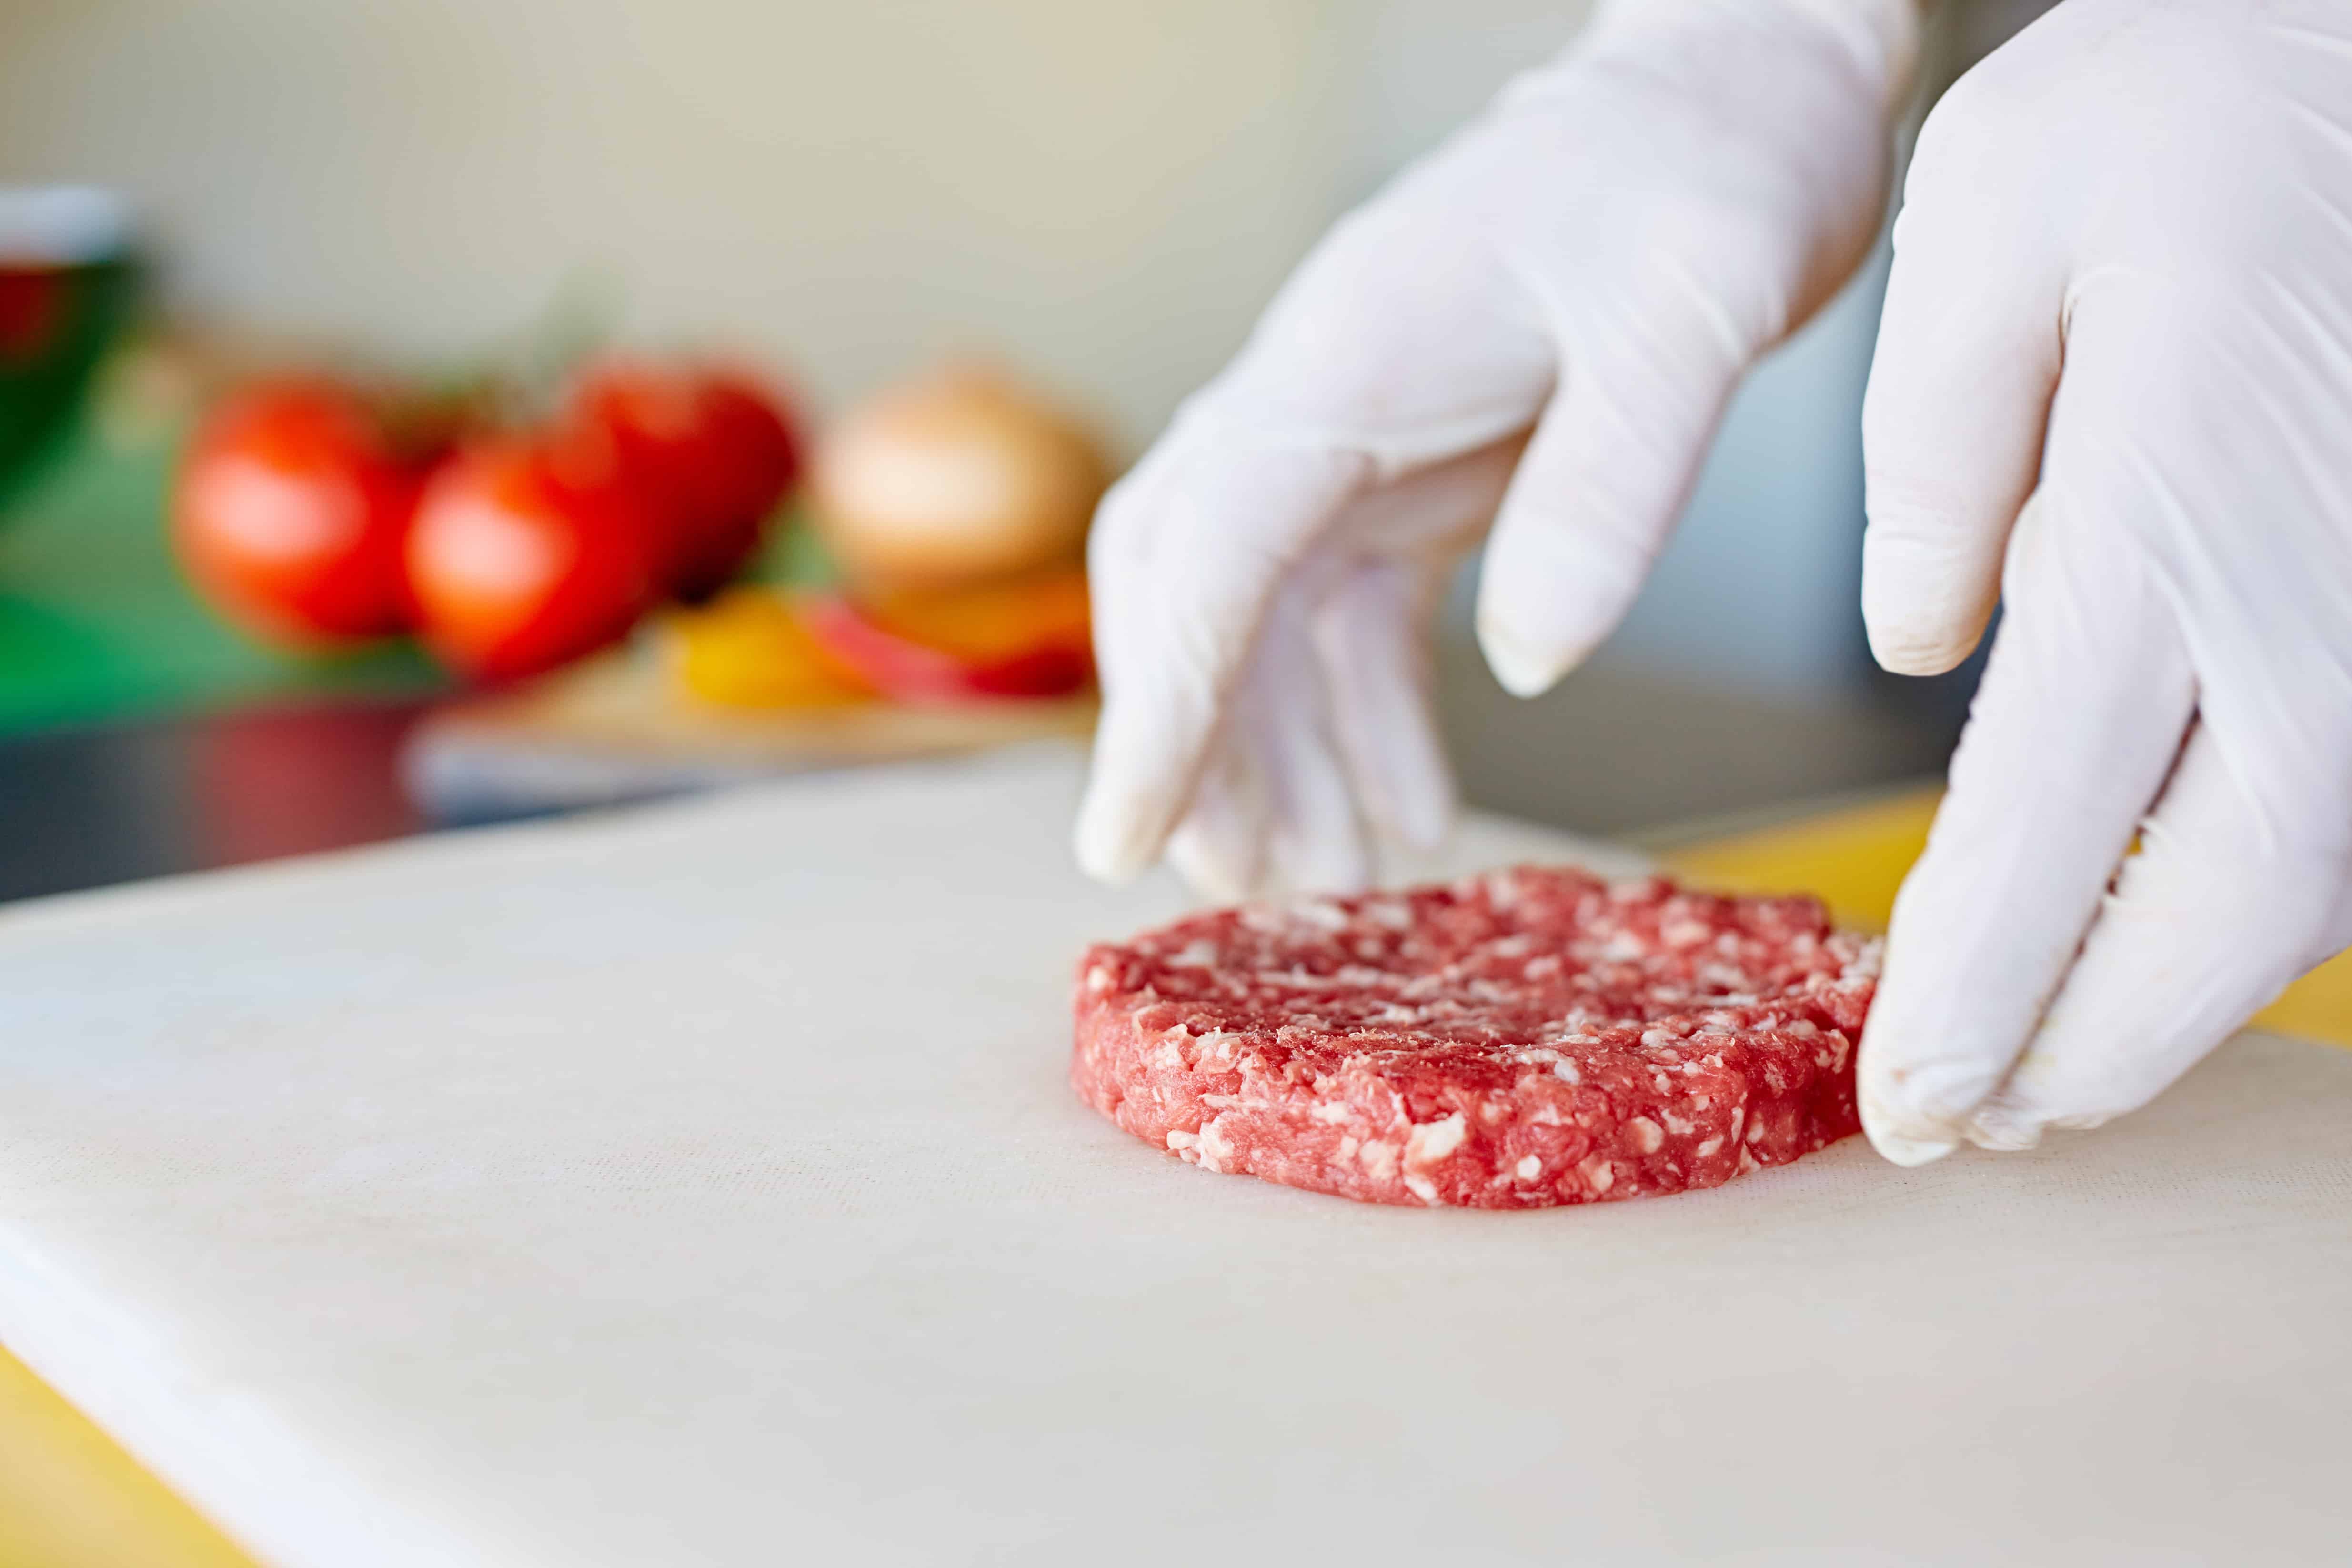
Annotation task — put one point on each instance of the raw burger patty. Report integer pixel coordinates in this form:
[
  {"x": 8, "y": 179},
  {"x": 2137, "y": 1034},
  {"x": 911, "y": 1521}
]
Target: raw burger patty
[{"x": 1513, "y": 1040}]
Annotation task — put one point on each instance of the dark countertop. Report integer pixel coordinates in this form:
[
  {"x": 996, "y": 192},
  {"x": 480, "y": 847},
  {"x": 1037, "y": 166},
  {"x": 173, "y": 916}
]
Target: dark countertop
[
  {"x": 89, "y": 805},
  {"x": 1612, "y": 752}
]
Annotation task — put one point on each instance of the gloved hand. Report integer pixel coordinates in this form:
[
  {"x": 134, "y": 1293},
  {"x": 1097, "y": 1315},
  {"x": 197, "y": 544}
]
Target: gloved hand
[
  {"x": 2117, "y": 356},
  {"x": 1598, "y": 258}
]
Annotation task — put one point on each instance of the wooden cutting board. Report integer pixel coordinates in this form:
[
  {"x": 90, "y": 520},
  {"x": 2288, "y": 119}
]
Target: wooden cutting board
[{"x": 614, "y": 727}]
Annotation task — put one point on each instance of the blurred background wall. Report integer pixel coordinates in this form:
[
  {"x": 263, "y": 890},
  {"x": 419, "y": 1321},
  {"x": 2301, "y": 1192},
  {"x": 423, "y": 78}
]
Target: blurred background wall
[
  {"x": 1106, "y": 190},
  {"x": 1105, "y": 194}
]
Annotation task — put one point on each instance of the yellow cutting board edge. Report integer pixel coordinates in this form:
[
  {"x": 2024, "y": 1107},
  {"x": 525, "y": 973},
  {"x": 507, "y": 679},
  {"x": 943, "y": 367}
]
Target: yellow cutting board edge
[
  {"x": 1855, "y": 858},
  {"x": 70, "y": 1498}
]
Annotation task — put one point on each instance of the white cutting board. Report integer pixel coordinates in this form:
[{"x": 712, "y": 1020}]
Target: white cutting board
[{"x": 699, "y": 1184}]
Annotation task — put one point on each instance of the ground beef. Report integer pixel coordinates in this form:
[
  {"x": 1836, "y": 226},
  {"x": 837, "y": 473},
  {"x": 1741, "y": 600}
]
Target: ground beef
[{"x": 1512, "y": 1040}]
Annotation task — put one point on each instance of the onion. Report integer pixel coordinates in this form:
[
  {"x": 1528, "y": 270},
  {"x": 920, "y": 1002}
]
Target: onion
[{"x": 960, "y": 474}]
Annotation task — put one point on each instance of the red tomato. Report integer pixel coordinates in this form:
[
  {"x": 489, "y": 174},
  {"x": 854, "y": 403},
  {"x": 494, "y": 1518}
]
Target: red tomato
[
  {"x": 711, "y": 450},
  {"x": 33, "y": 307},
  {"x": 518, "y": 562},
  {"x": 288, "y": 514}
]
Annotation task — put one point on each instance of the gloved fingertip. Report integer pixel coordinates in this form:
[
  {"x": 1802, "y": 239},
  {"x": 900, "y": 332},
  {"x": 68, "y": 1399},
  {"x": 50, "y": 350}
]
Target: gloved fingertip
[
  {"x": 1109, "y": 844},
  {"x": 1523, "y": 668},
  {"x": 1425, "y": 829},
  {"x": 1417, "y": 808},
  {"x": 1929, "y": 582},
  {"x": 1907, "y": 1149},
  {"x": 1903, "y": 649},
  {"x": 1213, "y": 875},
  {"x": 1109, "y": 865},
  {"x": 1916, "y": 1102},
  {"x": 1902, "y": 1134},
  {"x": 2006, "y": 1129}
]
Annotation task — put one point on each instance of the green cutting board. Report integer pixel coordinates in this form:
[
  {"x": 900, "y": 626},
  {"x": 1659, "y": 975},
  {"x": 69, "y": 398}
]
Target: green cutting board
[{"x": 97, "y": 624}]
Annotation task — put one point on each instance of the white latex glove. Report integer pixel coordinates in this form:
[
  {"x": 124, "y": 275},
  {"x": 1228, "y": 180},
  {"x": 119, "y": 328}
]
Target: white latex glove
[
  {"x": 1598, "y": 258},
  {"x": 2124, "y": 272}
]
